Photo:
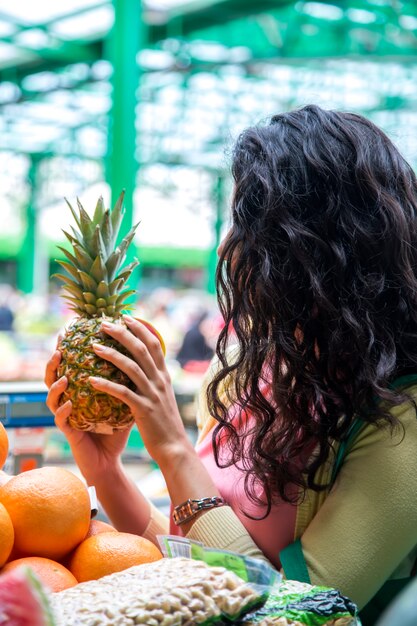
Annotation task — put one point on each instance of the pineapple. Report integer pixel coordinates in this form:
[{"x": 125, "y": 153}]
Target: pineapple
[{"x": 96, "y": 290}]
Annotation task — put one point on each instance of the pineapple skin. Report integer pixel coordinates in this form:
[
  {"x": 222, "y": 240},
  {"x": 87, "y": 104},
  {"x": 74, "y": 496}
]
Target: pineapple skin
[{"x": 92, "y": 410}]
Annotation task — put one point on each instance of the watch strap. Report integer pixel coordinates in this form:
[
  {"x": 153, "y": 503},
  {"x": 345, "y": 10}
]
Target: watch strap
[{"x": 189, "y": 509}]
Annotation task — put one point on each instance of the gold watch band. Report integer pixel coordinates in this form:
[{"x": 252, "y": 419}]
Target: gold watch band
[{"x": 189, "y": 509}]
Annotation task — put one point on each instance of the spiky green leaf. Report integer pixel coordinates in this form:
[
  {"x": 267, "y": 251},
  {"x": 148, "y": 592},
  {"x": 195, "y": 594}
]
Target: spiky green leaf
[
  {"x": 70, "y": 238},
  {"x": 74, "y": 214},
  {"x": 89, "y": 298},
  {"x": 86, "y": 223},
  {"x": 91, "y": 310},
  {"x": 69, "y": 256},
  {"x": 76, "y": 305},
  {"x": 69, "y": 268},
  {"x": 97, "y": 244},
  {"x": 115, "y": 286},
  {"x": 84, "y": 260},
  {"x": 112, "y": 299},
  {"x": 77, "y": 236},
  {"x": 103, "y": 290},
  {"x": 125, "y": 294},
  {"x": 127, "y": 271},
  {"x": 98, "y": 269},
  {"x": 70, "y": 286},
  {"x": 100, "y": 302},
  {"x": 117, "y": 217},
  {"x": 113, "y": 263},
  {"x": 88, "y": 282},
  {"x": 107, "y": 233},
  {"x": 99, "y": 211},
  {"x": 126, "y": 241}
]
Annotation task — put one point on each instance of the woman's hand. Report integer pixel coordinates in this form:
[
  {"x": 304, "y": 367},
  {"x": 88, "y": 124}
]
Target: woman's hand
[
  {"x": 96, "y": 455},
  {"x": 152, "y": 403}
]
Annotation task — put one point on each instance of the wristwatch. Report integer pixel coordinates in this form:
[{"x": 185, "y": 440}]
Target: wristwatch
[{"x": 189, "y": 509}]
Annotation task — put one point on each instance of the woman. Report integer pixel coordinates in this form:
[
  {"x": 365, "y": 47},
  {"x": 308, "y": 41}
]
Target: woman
[{"x": 308, "y": 427}]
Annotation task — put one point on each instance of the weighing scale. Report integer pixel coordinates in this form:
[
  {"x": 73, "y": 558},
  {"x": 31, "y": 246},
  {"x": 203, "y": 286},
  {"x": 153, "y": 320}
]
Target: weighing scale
[{"x": 23, "y": 406}]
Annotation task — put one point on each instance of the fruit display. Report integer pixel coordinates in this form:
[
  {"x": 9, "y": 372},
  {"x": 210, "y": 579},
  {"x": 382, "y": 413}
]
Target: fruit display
[
  {"x": 46, "y": 525},
  {"x": 60, "y": 568},
  {"x": 96, "y": 288}
]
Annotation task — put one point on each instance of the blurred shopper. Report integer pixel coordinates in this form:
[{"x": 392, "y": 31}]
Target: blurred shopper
[
  {"x": 7, "y": 315},
  {"x": 195, "y": 351},
  {"x": 307, "y": 453}
]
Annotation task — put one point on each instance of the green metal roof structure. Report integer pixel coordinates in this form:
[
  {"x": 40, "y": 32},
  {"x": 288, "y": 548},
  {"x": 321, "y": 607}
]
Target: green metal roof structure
[{"x": 146, "y": 95}]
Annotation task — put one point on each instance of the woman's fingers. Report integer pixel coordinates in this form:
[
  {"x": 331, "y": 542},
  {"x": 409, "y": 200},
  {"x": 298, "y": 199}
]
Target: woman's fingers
[
  {"x": 56, "y": 390},
  {"x": 118, "y": 391},
  {"x": 61, "y": 417},
  {"x": 122, "y": 362},
  {"x": 151, "y": 341},
  {"x": 134, "y": 345},
  {"x": 51, "y": 368}
]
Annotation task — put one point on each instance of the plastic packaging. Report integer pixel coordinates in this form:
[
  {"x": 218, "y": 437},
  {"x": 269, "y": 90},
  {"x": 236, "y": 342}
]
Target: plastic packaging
[{"x": 256, "y": 577}]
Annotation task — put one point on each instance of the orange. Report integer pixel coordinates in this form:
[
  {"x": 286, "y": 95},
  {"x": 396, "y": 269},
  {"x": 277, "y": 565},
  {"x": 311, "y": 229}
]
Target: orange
[
  {"x": 97, "y": 527},
  {"x": 6, "y": 535},
  {"x": 50, "y": 511},
  {"x": 155, "y": 332},
  {"x": 52, "y": 574},
  {"x": 4, "y": 445},
  {"x": 107, "y": 553}
]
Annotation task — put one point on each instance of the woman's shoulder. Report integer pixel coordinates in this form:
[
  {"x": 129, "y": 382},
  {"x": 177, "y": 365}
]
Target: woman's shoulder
[{"x": 402, "y": 435}]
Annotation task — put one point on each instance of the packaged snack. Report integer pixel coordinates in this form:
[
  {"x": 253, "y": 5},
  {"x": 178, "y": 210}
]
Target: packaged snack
[
  {"x": 169, "y": 592},
  {"x": 291, "y": 603}
]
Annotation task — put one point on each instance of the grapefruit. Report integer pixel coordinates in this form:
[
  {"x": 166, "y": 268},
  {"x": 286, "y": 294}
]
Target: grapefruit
[
  {"x": 53, "y": 575},
  {"x": 111, "y": 552}
]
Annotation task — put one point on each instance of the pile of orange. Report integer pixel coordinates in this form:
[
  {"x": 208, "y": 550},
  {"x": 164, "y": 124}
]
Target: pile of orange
[{"x": 45, "y": 523}]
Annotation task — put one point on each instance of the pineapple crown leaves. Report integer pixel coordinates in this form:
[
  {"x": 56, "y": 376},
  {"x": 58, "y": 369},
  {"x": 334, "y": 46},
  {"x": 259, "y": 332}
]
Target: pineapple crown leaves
[{"x": 96, "y": 279}]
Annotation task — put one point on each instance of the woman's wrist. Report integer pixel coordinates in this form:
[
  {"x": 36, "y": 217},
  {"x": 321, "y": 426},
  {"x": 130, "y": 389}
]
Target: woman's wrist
[
  {"x": 174, "y": 455},
  {"x": 111, "y": 474}
]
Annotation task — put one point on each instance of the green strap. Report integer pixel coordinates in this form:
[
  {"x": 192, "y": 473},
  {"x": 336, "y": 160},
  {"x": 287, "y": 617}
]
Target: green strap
[
  {"x": 292, "y": 557},
  {"x": 402, "y": 381},
  {"x": 344, "y": 447},
  {"x": 293, "y": 562}
]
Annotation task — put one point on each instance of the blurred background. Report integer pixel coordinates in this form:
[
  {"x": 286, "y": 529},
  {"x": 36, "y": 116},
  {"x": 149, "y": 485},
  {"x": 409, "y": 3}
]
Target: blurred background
[{"x": 97, "y": 96}]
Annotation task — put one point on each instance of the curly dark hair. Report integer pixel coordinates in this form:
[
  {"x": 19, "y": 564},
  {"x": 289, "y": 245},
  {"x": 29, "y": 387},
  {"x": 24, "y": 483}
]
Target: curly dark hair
[{"x": 317, "y": 279}]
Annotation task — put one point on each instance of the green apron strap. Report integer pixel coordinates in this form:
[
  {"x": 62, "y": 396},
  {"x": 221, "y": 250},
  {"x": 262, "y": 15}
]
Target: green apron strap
[
  {"x": 344, "y": 447},
  {"x": 402, "y": 381}
]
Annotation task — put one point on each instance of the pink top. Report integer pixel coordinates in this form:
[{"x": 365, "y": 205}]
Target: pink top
[{"x": 271, "y": 534}]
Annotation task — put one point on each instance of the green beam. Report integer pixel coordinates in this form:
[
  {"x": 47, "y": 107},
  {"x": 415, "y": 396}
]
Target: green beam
[
  {"x": 197, "y": 18},
  {"x": 125, "y": 42},
  {"x": 64, "y": 51},
  {"x": 27, "y": 253}
]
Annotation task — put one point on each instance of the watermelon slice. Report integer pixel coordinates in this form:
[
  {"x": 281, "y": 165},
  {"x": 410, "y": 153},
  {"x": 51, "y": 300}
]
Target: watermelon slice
[{"x": 23, "y": 602}]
